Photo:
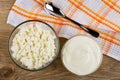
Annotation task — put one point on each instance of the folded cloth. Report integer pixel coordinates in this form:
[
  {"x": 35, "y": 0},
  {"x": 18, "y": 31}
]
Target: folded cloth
[{"x": 100, "y": 15}]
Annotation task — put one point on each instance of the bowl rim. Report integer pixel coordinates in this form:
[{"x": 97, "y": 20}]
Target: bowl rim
[{"x": 58, "y": 42}]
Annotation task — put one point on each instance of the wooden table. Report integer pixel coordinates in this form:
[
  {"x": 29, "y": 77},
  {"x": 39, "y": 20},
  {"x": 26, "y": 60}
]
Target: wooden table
[{"x": 109, "y": 70}]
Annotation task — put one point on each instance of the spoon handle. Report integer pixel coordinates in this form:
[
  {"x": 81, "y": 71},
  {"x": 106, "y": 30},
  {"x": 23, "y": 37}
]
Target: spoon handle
[{"x": 88, "y": 30}]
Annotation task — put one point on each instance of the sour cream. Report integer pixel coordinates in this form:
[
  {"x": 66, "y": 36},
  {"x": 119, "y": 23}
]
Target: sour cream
[{"x": 81, "y": 55}]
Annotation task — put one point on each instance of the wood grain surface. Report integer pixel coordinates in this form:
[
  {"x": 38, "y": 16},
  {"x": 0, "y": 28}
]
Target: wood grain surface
[{"x": 109, "y": 70}]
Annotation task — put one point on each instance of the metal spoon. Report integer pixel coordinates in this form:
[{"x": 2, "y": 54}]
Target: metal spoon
[{"x": 55, "y": 11}]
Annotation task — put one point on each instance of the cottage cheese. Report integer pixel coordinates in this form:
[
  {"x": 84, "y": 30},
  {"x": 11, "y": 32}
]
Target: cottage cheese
[{"x": 33, "y": 46}]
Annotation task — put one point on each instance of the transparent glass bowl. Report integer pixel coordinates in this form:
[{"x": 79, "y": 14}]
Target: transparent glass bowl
[
  {"x": 62, "y": 55},
  {"x": 23, "y": 25}
]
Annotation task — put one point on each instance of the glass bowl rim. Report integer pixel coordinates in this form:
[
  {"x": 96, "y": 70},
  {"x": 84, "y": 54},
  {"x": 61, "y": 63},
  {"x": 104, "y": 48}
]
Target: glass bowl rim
[{"x": 58, "y": 42}]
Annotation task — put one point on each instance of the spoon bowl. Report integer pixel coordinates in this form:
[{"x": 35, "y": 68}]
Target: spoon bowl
[{"x": 53, "y": 10}]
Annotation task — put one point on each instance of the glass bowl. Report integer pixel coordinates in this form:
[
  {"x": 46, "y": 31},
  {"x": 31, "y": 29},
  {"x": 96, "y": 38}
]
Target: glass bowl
[
  {"x": 25, "y": 24},
  {"x": 65, "y": 55}
]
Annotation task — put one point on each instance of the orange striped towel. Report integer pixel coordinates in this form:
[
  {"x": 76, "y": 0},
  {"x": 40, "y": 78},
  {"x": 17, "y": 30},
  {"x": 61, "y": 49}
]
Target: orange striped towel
[{"x": 100, "y": 15}]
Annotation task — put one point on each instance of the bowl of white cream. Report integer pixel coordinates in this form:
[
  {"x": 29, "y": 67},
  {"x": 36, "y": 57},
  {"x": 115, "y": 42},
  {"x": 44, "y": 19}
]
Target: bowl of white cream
[{"x": 81, "y": 55}]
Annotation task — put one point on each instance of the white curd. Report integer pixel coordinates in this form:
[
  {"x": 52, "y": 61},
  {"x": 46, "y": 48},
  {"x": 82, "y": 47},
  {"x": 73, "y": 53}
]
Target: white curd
[{"x": 33, "y": 46}]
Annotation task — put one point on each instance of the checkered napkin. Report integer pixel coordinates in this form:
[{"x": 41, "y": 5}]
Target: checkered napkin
[{"x": 100, "y": 15}]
